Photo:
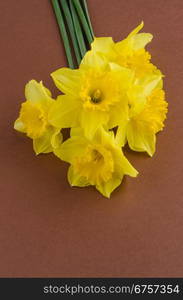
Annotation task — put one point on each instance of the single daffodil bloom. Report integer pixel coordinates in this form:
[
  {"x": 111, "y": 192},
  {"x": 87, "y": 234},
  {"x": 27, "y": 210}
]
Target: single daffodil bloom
[
  {"x": 95, "y": 95},
  {"x": 33, "y": 118},
  {"x": 141, "y": 128},
  {"x": 130, "y": 52},
  {"x": 99, "y": 162}
]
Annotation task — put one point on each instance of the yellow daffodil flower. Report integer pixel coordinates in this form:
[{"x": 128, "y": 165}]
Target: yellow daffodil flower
[
  {"x": 141, "y": 128},
  {"x": 33, "y": 118},
  {"x": 95, "y": 95},
  {"x": 128, "y": 53},
  {"x": 98, "y": 162}
]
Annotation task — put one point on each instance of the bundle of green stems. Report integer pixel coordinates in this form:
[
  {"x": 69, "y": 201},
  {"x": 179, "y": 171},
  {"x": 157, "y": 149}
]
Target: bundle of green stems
[{"x": 75, "y": 28}]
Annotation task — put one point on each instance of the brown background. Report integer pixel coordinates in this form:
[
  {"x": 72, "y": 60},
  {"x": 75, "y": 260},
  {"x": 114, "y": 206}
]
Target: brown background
[{"x": 47, "y": 228}]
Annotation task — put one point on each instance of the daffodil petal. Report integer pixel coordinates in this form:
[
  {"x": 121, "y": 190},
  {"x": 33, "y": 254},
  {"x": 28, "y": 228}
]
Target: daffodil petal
[
  {"x": 43, "y": 143},
  {"x": 151, "y": 85},
  {"x": 128, "y": 169},
  {"x": 123, "y": 166},
  {"x": 56, "y": 139},
  {"x": 91, "y": 121},
  {"x": 123, "y": 75},
  {"x": 121, "y": 134},
  {"x": 19, "y": 126},
  {"x": 140, "y": 40},
  {"x": 49, "y": 142},
  {"x": 137, "y": 105},
  {"x": 140, "y": 138},
  {"x": 136, "y": 30},
  {"x": 75, "y": 179},
  {"x": 76, "y": 131},
  {"x": 65, "y": 112},
  {"x": 140, "y": 91},
  {"x": 104, "y": 137},
  {"x": 102, "y": 44},
  {"x": 93, "y": 59},
  {"x": 106, "y": 188},
  {"x": 134, "y": 41},
  {"x": 71, "y": 148},
  {"x": 36, "y": 92},
  {"x": 118, "y": 114},
  {"x": 67, "y": 80}
]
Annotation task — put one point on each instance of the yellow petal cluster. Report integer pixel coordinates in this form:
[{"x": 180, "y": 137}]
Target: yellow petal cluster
[
  {"x": 99, "y": 162},
  {"x": 33, "y": 118},
  {"x": 115, "y": 97}
]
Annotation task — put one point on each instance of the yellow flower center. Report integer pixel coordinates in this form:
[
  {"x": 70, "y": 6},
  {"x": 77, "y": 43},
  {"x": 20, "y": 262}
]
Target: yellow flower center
[
  {"x": 100, "y": 90},
  {"x": 96, "y": 96},
  {"x": 96, "y": 164},
  {"x": 34, "y": 119}
]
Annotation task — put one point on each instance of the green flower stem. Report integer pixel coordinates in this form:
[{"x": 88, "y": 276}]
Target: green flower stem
[
  {"x": 78, "y": 30},
  {"x": 68, "y": 18},
  {"x": 88, "y": 17},
  {"x": 83, "y": 20},
  {"x": 63, "y": 32}
]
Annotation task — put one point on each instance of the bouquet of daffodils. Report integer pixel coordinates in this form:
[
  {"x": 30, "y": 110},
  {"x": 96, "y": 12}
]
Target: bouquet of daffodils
[{"x": 114, "y": 97}]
